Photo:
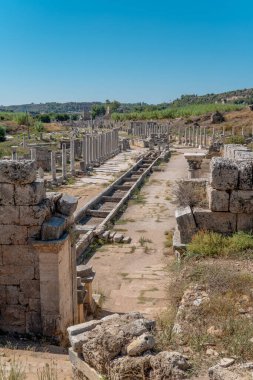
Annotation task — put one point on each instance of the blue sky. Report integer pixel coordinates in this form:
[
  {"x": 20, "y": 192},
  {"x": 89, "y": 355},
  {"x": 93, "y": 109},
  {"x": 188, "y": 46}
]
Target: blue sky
[{"x": 129, "y": 50}]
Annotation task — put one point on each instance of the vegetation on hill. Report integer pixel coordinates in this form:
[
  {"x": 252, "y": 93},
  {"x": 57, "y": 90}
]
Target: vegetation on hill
[
  {"x": 244, "y": 96},
  {"x": 175, "y": 112}
]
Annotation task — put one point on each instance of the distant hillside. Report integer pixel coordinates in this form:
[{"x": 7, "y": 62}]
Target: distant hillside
[
  {"x": 51, "y": 107},
  {"x": 237, "y": 97}
]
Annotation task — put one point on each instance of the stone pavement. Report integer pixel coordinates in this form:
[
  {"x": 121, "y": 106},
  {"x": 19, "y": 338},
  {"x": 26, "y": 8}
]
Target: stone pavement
[{"x": 134, "y": 277}]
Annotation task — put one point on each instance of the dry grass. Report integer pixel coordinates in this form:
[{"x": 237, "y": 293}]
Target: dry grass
[
  {"x": 191, "y": 194},
  {"x": 223, "y": 321},
  {"x": 13, "y": 370}
]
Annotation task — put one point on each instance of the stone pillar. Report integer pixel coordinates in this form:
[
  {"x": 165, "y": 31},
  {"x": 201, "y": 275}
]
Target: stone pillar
[
  {"x": 14, "y": 155},
  {"x": 194, "y": 164},
  {"x": 33, "y": 154},
  {"x": 64, "y": 161},
  {"x": 72, "y": 157},
  {"x": 53, "y": 166},
  {"x": 205, "y": 141}
]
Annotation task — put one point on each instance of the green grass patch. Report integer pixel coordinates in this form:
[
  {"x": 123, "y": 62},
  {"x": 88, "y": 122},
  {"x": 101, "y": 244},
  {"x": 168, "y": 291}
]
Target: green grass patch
[{"x": 212, "y": 244}]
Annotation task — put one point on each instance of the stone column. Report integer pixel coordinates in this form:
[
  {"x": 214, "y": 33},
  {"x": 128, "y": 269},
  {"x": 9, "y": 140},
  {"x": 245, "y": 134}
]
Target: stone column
[
  {"x": 33, "y": 154},
  {"x": 14, "y": 155},
  {"x": 72, "y": 157},
  {"x": 205, "y": 142},
  {"x": 194, "y": 164},
  {"x": 64, "y": 161},
  {"x": 53, "y": 166}
]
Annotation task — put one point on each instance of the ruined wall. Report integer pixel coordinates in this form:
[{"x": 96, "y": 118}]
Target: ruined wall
[
  {"x": 230, "y": 197},
  {"x": 25, "y": 212}
]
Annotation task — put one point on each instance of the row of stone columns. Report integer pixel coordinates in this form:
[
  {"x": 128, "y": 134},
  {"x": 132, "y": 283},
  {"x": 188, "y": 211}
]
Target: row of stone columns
[
  {"x": 193, "y": 136},
  {"x": 145, "y": 130},
  {"x": 96, "y": 149}
]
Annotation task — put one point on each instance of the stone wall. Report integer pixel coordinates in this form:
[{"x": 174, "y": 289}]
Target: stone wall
[
  {"x": 230, "y": 197},
  {"x": 35, "y": 255}
]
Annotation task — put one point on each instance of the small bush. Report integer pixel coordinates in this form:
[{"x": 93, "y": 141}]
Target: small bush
[
  {"x": 206, "y": 244},
  {"x": 189, "y": 194},
  {"x": 2, "y": 133},
  {"x": 235, "y": 140},
  {"x": 212, "y": 244}
]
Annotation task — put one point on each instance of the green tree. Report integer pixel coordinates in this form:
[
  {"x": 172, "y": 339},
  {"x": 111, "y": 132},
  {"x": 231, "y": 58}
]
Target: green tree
[
  {"x": 2, "y": 133},
  {"x": 98, "y": 110},
  {"x": 45, "y": 118},
  {"x": 39, "y": 127}
]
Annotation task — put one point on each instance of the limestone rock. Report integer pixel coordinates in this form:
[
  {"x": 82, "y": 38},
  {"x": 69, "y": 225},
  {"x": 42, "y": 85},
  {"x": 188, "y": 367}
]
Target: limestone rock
[
  {"x": 67, "y": 204},
  {"x": 186, "y": 223},
  {"x": 168, "y": 365},
  {"x": 222, "y": 222},
  {"x": 143, "y": 343},
  {"x": 30, "y": 194},
  {"x": 224, "y": 173},
  {"x": 241, "y": 201},
  {"x": 126, "y": 240},
  {"x": 134, "y": 368},
  {"x": 118, "y": 238},
  {"x": 245, "y": 175},
  {"x": 218, "y": 200},
  {"x": 17, "y": 172},
  {"x": 53, "y": 228},
  {"x": 226, "y": 362}
]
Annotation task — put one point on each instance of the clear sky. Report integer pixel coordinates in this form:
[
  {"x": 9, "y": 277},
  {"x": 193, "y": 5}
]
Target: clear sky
[{"x": 129, "y": 50}]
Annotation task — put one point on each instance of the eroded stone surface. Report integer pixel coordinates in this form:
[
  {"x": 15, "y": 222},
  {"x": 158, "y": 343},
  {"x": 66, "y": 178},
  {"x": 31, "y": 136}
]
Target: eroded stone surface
[
  {"x": 17, "y": 172},
  {"x": 224, "y": 173}
]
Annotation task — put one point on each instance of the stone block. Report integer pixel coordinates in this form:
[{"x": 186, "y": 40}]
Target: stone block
[
  {"x": 245, "y": 222},
  {"x": 118, "y": 238},
  {"x": 23, "y": 300},
  {"x": 186, "y": 223},
  {"x": 34, "y": 304},
  {"x": 30, "y": 288},
  {"x": 9, "y": 275},
  {"x": 245, "y": 175},
  {"x": 12, "y": 318},
  {"x": 6, "y": 194},
  {"x": 84, "y": 270},
  {"x": 218, "y": 199},
  {"x": 17, "y": 255},
  {"x": 30, "y": 194},
  {"x": 9, "y": 215},
  {"x": 12, "y": 234},
  {"x": 3, "y": 294},
  {"x": 222, "y": 222},
  {"x": 17, "y": 172},
  {"x": 53, "y": 228},
  {"x": 34, "y": 232},
  {"x": 224, "y": 173},
  {"x": 67, "y": 204},
  {"x": 12, "y": 294},
  {"x": 241, "y": 201},
  {"x": 33, "y": 322},
  {"x": 34, "y": 215},
  {"x": 83, "y": 327}
]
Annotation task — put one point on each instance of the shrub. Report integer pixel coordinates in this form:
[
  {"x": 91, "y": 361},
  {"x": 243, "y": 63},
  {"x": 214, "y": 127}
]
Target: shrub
[
  {"x": 2, "y": 133},
  {"x": 212, "y": 244},
  {"x": 235, "y": 140},
  {"x": 206, "y": 244}
]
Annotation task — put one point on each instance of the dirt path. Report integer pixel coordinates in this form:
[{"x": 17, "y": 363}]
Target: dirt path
[{"x": 133, "y": 277}]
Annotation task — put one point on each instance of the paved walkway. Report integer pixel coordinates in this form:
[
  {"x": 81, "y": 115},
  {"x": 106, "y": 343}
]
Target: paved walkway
[{"x": 133, "y": 277}]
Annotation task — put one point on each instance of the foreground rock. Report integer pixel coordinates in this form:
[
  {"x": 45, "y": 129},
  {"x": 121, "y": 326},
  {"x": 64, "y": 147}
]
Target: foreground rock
[
  {"x": 234, "y": 372},
  {"x": 122, "y": 347}
]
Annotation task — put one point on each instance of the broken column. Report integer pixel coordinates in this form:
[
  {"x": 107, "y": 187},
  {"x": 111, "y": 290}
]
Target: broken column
[
  {"x": 64, "y": 161},
  {"x": 194, "y": 161}
]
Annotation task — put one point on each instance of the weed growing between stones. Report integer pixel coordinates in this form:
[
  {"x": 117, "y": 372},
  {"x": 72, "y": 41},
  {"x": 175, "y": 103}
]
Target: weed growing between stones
[
  {"x": 144, "y": 240},
  {"x": 48, "y": 372}
]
